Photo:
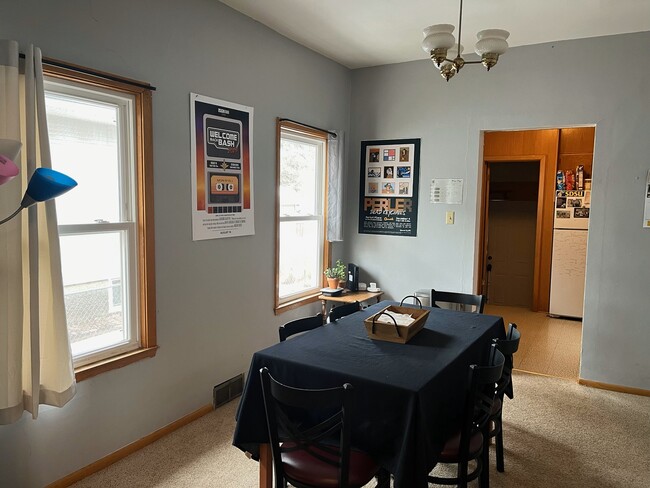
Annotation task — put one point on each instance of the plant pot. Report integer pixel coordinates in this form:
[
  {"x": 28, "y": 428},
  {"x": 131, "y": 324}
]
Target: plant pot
[{"x": 333, "y": 282}]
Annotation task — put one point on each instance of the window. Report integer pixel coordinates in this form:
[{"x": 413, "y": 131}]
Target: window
[
  {"x": 302, "y": 252},
  {"x": 100, "y": 135}
]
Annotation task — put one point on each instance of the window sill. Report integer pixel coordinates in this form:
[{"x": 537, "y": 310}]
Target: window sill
[
  {"x": 90, "y": 370},
  {"x": 298, "y": 302}
]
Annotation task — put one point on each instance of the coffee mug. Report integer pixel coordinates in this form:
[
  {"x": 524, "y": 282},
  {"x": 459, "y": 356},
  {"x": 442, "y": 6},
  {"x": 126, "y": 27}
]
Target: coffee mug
[{"x": 372, "y": 286}]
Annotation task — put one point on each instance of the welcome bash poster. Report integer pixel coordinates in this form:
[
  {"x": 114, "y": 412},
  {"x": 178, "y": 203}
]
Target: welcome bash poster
[{"x": 222, "y": 168}]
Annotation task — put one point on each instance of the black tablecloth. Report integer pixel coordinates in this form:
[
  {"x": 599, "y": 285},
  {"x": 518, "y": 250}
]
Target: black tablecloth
[{"x": 408, "y": 397}]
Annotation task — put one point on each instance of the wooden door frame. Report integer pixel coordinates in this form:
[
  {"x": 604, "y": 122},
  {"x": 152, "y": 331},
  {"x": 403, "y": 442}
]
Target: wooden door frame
[{"x": 485, "y": 197}]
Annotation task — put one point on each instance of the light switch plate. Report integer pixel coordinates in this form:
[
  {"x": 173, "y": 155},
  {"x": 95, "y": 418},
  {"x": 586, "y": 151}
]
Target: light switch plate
[{"x": 449, "y": 219}]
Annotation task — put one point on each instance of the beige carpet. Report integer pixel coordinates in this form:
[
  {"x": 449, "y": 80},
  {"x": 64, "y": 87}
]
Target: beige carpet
[{"x": 557, "y": 434}]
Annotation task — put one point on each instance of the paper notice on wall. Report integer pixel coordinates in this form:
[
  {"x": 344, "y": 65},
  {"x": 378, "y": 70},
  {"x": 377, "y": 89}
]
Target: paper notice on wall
[
  {"x": 448, "y": 191},
  {"x": 646, "y": 212}
]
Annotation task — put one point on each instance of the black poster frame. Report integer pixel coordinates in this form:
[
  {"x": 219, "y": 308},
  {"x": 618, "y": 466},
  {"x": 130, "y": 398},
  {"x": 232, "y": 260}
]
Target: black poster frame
[{"x": 384, "y": 214}]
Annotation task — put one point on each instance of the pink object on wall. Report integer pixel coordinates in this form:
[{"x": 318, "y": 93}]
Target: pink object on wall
[
  {"x": 8, "y": 169},
  {"x": 9, "y": 149}
]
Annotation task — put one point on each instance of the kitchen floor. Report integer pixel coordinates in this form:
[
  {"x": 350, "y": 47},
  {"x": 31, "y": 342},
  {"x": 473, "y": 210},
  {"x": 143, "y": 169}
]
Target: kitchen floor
[{"x": 548, "y": 346}]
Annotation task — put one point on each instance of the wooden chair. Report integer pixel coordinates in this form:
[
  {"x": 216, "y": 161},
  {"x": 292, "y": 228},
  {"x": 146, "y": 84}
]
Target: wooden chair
[
  {"x": 471, "y": 442},
  {"x": 507, "y": 347},
  {"x": 466, "y": 299},
  {"x": 343, "y": 310},
  {"x": 299, "y": 325},
  {"x": 313, "y": 453}
]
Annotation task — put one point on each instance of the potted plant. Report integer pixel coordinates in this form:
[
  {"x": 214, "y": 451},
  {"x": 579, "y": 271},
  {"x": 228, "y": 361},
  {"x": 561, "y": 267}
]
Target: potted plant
[{"x": 335, "y": 274}]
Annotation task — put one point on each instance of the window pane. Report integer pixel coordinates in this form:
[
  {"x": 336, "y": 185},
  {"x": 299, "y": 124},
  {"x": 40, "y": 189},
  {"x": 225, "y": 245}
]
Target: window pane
[
  {"x": 94, "y": 291},
  {"x": 85, "y": 145},
  {"x": 300, "y": 257},
  {"x": 299, "y": 178}
]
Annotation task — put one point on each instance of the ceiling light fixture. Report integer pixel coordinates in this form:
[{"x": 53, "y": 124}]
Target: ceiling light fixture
[{"x": 438, "y": 39}]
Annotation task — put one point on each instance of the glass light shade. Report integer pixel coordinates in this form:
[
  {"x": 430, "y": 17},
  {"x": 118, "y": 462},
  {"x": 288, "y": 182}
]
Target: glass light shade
[
  {"x": 46, "y": 184},
  {"x": 492, "y": 41},
  {"x": 9, "y": 149},
  {"x": 453, "y": 52},
  {"x": 438, "y": 36}
]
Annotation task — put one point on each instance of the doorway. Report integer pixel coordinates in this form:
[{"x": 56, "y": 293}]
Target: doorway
[
  {"x": 518, "y": 222},
  {"x": 513, "y": 190}
]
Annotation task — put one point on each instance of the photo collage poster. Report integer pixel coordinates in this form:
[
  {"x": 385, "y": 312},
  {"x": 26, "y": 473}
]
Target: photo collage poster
[
  {"x": 388, "y": 195},
  {"x": 222, "y": 168}
]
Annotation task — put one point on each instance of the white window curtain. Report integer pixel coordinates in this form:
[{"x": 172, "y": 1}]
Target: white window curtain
[
  {"x": 35, "y": 359},
  {"x": 335, "y": 189}
]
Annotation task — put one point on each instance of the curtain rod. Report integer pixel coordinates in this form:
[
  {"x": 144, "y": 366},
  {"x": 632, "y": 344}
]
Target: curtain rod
[
  {"x": 99, "y": 74},
  {"x": 310, "y": 126}
]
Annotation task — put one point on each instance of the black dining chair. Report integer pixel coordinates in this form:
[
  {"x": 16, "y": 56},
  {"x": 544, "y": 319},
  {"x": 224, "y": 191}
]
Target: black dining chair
[
  {"x": 343, "y": 310},
  {"x": 466, "y": 299},
  {"x": 471, "y": 441},
  {"x": 299, "y": 325},
  {"x": 309, "y": 433},
  {"x": 508, "y": 347}
]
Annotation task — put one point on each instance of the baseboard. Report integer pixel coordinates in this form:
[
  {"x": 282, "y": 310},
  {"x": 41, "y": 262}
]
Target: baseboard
[
  {"x": 129, "y": 449},
  {"x": 593, "y": 384},
  {"x": 618, "y": 388},
  {"x": 535, "y": 373}
]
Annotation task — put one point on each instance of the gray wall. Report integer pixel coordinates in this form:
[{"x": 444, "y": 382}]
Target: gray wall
[
  {"x": 544, "y": 86},
  {"x": 214, "y": 297},
  {"x": 207, "y": 329}
]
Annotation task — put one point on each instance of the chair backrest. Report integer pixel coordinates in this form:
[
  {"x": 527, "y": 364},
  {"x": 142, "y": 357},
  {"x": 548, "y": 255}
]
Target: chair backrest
[
  {"x": 287, "y": 410},
  {"x": 480, "y": 396},
  {"x": 507, "y": 347},
  {"x": 299, "y": 325},
  {"x": 477, "y": 301},
  {"x": 343, "y": 310}
]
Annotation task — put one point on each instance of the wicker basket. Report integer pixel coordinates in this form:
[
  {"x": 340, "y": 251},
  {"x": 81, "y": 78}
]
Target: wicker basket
[{"x": 401, "y": 334}]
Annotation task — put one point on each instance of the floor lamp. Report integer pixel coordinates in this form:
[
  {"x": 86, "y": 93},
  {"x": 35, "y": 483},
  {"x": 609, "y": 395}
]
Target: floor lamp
[{"x": 44, "y": 184}]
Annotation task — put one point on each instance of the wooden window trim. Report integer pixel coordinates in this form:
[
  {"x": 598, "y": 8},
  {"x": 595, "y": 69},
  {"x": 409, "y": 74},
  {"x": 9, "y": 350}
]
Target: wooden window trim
[
  {"x": 309, "y": 297},
  {"x": 145, "y": 217}
]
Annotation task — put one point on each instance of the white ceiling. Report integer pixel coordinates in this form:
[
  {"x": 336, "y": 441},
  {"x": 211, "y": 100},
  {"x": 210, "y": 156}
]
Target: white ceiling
[{"x": 360, "y": 33}]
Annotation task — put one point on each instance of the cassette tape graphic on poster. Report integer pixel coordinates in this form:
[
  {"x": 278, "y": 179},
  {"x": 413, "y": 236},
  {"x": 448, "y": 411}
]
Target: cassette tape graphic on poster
[
  {"x": 222, "y": 168},
  {"x": 388, "y": 196}
]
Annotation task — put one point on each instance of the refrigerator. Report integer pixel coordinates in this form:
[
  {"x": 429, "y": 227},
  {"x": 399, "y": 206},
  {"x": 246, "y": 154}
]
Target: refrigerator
[{"x": 570, "y": 230}]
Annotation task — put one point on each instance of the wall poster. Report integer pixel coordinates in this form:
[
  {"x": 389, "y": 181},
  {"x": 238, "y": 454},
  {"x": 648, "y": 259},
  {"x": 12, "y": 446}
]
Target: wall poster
[
  {"x": 222, "y": 168},
  {"x": 388, "y": 195}
]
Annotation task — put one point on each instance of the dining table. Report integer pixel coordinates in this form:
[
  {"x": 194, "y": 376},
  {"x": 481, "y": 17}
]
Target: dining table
[{"x": 408, "y": 397}]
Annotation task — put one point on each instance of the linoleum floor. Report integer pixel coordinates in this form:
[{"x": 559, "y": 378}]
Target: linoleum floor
[{"x": 549, "y": 346}]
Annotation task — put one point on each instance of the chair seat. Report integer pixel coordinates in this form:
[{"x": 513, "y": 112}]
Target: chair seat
[
  {"x": 451, "y": 451},
  {"x": 305, "y": 468},
  {"x": 496, "y": 407},
  {"x": 495, "y": 411}
]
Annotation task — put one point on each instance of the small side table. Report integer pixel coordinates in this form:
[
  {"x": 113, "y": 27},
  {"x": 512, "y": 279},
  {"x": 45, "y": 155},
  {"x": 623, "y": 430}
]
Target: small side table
[{"x": 349, "y": 297}]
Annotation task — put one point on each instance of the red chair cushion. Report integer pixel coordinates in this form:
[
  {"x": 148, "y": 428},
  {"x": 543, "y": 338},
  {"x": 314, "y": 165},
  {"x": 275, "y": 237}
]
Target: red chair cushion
[
  {"x": 305, "y": 468},
  {"x": 451, "y": 451}
]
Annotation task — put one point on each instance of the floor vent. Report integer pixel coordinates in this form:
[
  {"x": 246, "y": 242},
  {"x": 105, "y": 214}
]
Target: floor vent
[{"x": 226, "y": 391}]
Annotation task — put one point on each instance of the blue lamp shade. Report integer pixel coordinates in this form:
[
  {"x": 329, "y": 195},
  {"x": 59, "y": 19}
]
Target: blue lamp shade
[{"x": 46, "y": 184}]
